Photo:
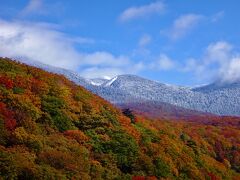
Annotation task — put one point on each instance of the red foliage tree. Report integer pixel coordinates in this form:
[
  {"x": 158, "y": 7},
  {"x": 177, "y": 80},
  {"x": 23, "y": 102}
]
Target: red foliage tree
[
  {"x": 219, "y": 150},
  {"x": 9, "y": 121},
  {"x": 213, "y": 177},
  {"x": 138, "y": 178},
  {"x": 7, "y": 82}
]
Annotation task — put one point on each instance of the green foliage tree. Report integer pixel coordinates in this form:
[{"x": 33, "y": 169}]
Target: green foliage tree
[{"x": 161, "y": 168}]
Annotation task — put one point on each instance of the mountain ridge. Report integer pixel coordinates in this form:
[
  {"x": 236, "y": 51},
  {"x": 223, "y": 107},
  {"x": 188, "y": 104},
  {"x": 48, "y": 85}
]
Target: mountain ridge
[{"x": 220, "y": 99}]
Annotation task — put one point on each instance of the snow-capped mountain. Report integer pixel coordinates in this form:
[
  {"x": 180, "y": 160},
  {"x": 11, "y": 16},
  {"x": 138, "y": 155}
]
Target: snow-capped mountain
[
  {"x": 218, "y": 98},
  {"x": 222, "y": 99}
]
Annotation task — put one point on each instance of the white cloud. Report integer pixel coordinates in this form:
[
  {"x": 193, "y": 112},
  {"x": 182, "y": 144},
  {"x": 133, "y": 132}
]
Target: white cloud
[
  {"x": 45, "y": 43},
  {"x": 102, "y": 64},
  {"x": 144, "y": 40},
  {"x": 32, "y": 7},
  {"x": 232, "y": 72},
  {"x": 218, "y": 52},
  {"x": 96, "y": 72},
  {"x": 219, "y": 62},
  {"x": 157, "y": 7},
  {"x": 216, "y": 17},
  {"x": 110, "y": 70},
  {"x": 105, "y": 59},
  {"x": 42, "y": 8},
  {"x": 191, "y": 65},
  {"x": 163, "y": 62},
  {"x": 222, "y": 55},
  {"x": 182, "y": 26},
  {"x": 37, "y": 42}
]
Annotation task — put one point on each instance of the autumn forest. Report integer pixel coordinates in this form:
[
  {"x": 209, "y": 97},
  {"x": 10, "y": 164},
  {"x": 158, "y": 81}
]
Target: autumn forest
[{"x": 51, "y": 128}]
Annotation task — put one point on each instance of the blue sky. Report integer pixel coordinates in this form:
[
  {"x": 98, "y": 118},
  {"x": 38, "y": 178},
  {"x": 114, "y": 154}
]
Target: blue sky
[{"x": 177, "y": 42}]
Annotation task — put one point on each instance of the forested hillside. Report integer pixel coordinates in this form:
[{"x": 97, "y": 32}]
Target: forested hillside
[{"x": 51, "y": 128}]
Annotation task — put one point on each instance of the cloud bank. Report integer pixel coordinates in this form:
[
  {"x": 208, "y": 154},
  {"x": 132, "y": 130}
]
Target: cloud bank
[
  {"x": 219, "y": 62},
  {"x": 45, "y": 43}
]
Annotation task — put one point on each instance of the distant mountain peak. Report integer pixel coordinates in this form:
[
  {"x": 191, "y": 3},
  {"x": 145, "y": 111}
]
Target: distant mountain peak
[{"x": 109, "y": 83}]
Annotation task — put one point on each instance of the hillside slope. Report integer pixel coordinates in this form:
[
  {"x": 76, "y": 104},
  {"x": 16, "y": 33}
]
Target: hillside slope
[{"x": 51, "y": 128}]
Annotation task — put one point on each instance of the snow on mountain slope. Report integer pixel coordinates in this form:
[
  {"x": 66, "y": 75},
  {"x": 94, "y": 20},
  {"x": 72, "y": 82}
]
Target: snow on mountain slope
[
  {"x": 98, "y": 81},
  {"x": 222, "y": 98},
  {"x": 217, "y": 86},
  {"x": 109, "y": 83},
  {"x": 218, "y": 99}
]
